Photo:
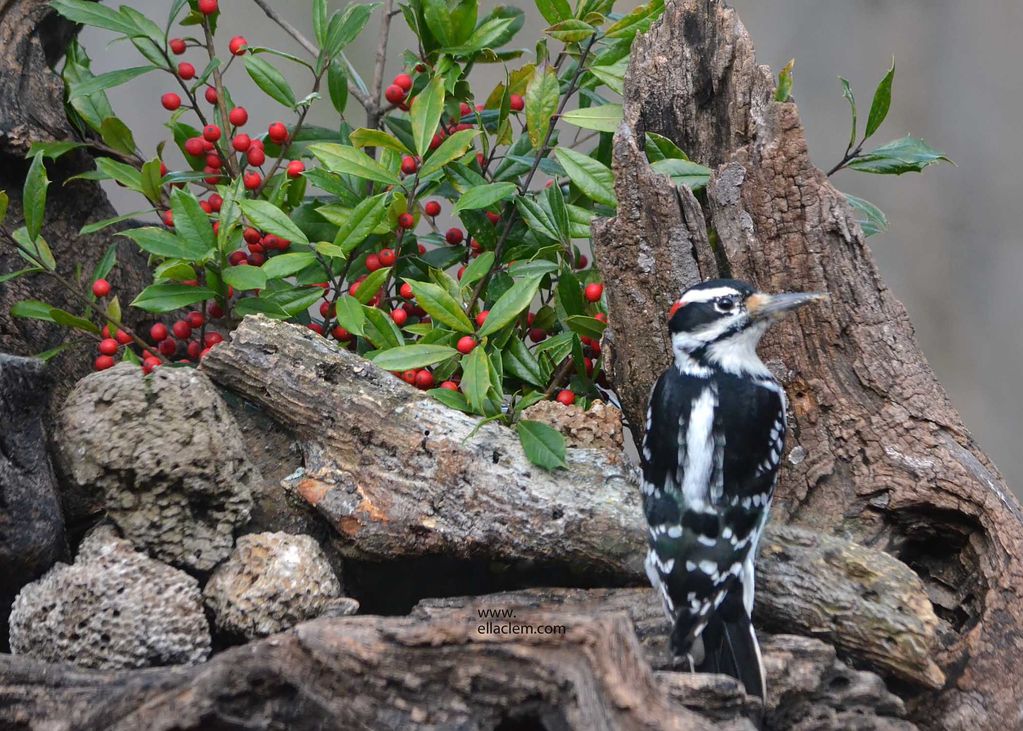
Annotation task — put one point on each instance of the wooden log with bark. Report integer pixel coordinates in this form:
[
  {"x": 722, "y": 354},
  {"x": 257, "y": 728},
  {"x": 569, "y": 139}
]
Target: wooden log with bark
[{"x": 876, "y": 451}]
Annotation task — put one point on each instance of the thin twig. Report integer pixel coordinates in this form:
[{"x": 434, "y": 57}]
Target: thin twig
[
  {"x": 218, "y": 85},
  {"x": 373, "y": 113}
]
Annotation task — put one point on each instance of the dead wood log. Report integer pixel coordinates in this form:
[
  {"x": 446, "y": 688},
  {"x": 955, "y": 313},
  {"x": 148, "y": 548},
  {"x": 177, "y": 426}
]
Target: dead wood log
[
  {"x": 876, "y": 450},
  {"x": 33, "y": 39},
  {"x": 398, "y": 476},
  {"x": 372, "y": 672}
]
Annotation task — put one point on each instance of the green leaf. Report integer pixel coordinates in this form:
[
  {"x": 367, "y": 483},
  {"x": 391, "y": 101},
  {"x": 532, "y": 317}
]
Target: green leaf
[
  {"x": 589, "y": 327},
  {"x": 881, "y": 102},
  {"x": 591, "y": 177},
  {"x": 5, "y": 201},
  {"x": 270, "y": 80},
  {"x": 604, "y": 118},
  {"x": 48, "y": 355},
  {"x": 510, "y": 305},
  {"x": 848, "y": 94},
  {"x": 161, "y": 242},
  {"x": 34, "y": 197},
  {"x": 53, "y": 150},
  {"x": 381, "y": 330},
  {"x": 244, "y": 277},
  {"x": 537, "y": 217},
  {"x": 261, "y": 306},
  {"x": 413, "y": 356},
  {"x": 484, "y": 196},
  {"x": 520, "y": 362},
  {"x": 372, "y": 284},
  {"x": 571, "y": 31},
  {"x": 116, "y": 134},
  {"x": 476, "y": 382},
  {"x": 284, "y": 265},
  {"x": 612, "y": 74},
  {"x": 441, "y": 306},
  {"x": 106, "y": 263},
  {"x": 363, "y": 137},
  {"x": 92, "y": 13},
  {"x": 95, "y": 84},
  {"x": 347, "y": 160},
  {"x": 425, "y": 114},
  {"x": 337, "y": 86},
  {"x": 452, "y": 148},
  {"x": 872, "y": 219},
  {"x": 490, "y": 34},
  {"x": 346, "y": 27},
  {"x": 570, "y": 294},
  {"x": 683, "y": 172},
  {"x": 451, "y": 399},
  {"x": 544, "y": 445},
  {"x": 554, "y": 11},
  {"x": 477, "y": 268},
  {"x": 450, "y": 21},
  {"x": 361, "y": 222},
  {"x": 265, "y": 216},
  {"x": 66, "y": 319},
  {"x": 33, "y": 310},
  {"x": 541, "y": 101},
  {"x": 636, "y": 21},
  {"x": 320, "y": 21},
  {"x": 38, "y": 248},
  {"x": 783, "y": 92},
  {"x": 908, "y": 154},
  {"x": 191, "y": 223},
  {"x": 168, "y": 297},
  {"x": 19, "y": 273},
  {"x": 350, "y": 315}
]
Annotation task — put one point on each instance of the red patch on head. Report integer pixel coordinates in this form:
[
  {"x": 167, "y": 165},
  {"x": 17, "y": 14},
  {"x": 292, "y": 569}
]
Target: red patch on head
[{"x": 675, "y": 308}]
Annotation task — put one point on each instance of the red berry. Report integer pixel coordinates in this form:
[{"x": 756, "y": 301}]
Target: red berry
[
  {"x": 103, "y": 362},
  {"x": 454, "y": 236},
  {"x": 424, "y": 380},
  {"x": 177, "y": 46},
  {"x": 237, "y": 45},
  {"x": 255, "y": 259},
  {"x": 316, "y": 327},
  {"x": 211, "y": 95},
  {"x": 387, "y": 257},
  {"x": 251, "y": 236},
  {"x": 101, "y": 288},
  {"x": 211, "y": 132},
  {"x": 481, "y": 160},
  {"x": 399, "y": 316},
  {"x": 149, "y": 364},
  {"x": 466, "y": 344},
  {"x": 208, "y": 7},
  {"x": 461, "y": 271},
  {"x": 593, "y": 292},
  {"x": 394, "y": 94},
  {"x": 565, "y": 397},
  {"x": 537, "y": 334},
  {"x": 215, "y": 311},
  {"x": 168, "y": 347},
  {"x": 252, "y": 180},
  {"x": 295, "y": 168},
  {"x": 409, "y": 165},
  {"x": 404, "y": 81},
  {"x": 481, "y": 318},
  {"x": 436, "y": 141},
  {"x": 255, "y": 156},
  {"x": 432, "y": 208},
  {"x": 421, "y": 249},
  {"x": 158, "y": 332},
  {"x": 212, "y": 339},
  {"x": 195, "y": 146},
  {"x": 168, "y": 219},
  {"x": 163, "y": 168},
  {"x": 182, "y": 330},
  {"x": 373, "y": 262},
  {"x": 238, "y": 116},
  {"x": 406, "y": 220},
  {"x": 449, "y": 385},
  {"x": 406, "y": 291},
  {"x": 581, "y": 262},
  {"x": 193, "y": 350},
  {"x": 186, "y": 71},
  {"x": 216, "y": 202},
  {"x": 122, "y": 337},
  {"x": 237, "y": 257},
  {"x": 517, "y": 103},
  {"x": 195, "y": 320},
  {"x": 108, "y": 346},
  {"x": 170, "y": 101},
  {"x": 409, "y": 377},
  {"x": 277, "y": 132},
  {"x": 341, "y": 334},
  {"x": 601, "y": 317}
]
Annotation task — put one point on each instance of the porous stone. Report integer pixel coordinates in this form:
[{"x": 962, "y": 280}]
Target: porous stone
[
  {"x": 113, "y": 608},
  {"x": 160, "y": 455},
  {"x": 31, "y": 524},
  {"x": 599, "y": 427},
  {"x": 271, "y": 582}
]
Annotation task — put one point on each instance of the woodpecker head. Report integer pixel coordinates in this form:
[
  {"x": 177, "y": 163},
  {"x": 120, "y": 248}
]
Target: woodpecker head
[{"x": 719, "y": 323}]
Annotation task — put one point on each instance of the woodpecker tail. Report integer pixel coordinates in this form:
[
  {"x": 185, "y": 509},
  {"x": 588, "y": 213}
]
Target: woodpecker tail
[{"x": 731, "y": 648}]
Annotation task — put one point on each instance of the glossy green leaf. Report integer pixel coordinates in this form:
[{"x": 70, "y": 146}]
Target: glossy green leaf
[
  {"x": 18, "y": 273},
  {"x": 554, "y": 11},
  {"x": 683, "y": 172},
  {"x": 591, "y": 176},
  {"x": 92, "y": 13},
  {"x": 33, "y": 310},
  {"x": 425, "y": 114},
  {"x": 244, "y": 277},
  {"x": 451, "y": 399},
  {"x": 5, "y": 202},
  {"x": 872, "y": 219},
  {"x": 520, "y": 362},
  {"x": 265, "y": 216},
  {"x": 451, "y": 149},
  {"x": 168, "y": 297},
  {"x": 604, "y": 118},
  {"x": 377, "y": 138},
  {"x": 34, "y": 251},
  {"x": 34, "y": 197},
  {"x": 372, "y": 284},
  {"x": 571, "y": 31},
  {"x": 284, "y": 265},
  {"x": 347, "y": 160},
  {"x": 847, "y": 93},
  {"x": 477, "y": 269},
  {"x": 476, "y": 381},
  {"x": 881, "y": 103},
  {"x": 510, "y": 305},
  {"x": 53, "y": 150},
  {"x": 541, "y": 101},
  {"x": 413, "y": 356},
  {"x": 543, "y": 445},
  {"x": 451, "y": 22},
  {"x": 360, "y": 223},
  {"x": 62, "y": 317},
  {"x": 337, "y": 86},
  {"x": 441, "y": 306},
  {"x": 116, "y": 134},
  {"x": 109, "y": 80},
  {"x": 636, "y": 21},
  {"x": 611, "y": 74},
  {"x": 106, "y": 263},
  {"x": 260, "y": 306},
  {"x": 161, "y": 242},
  {"x": 484, "y": 196},
  {"x": 320, "y": 21},
  {"x": 345, "y": 27},
  {"x": 270, "y": 80},
  {"x": 191, "y": 223},
  {"x": 908, "y": 154},
  {"x": 151, "y": 180},
  {"x": 537, "y": 217},
  {"x": 587, "y": 326},
  {"x": 381, "y": 330},
  {"x": 350, "y": 315}
]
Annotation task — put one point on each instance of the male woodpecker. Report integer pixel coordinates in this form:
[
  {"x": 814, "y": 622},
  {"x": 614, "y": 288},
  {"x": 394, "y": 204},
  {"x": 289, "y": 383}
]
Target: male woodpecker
[{"x": 715, "y": 430}]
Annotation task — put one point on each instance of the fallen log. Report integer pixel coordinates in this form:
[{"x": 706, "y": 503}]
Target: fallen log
[
  {"x": 876, "y": 451},
  {"x": 399, "y": 476}
]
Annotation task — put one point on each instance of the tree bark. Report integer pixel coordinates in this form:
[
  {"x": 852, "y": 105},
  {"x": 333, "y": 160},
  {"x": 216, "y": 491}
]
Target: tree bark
[
  {"x": 876, "y": 451},
  {"x": 33, "y": 39},
  {"x": 400, "y": 476}
]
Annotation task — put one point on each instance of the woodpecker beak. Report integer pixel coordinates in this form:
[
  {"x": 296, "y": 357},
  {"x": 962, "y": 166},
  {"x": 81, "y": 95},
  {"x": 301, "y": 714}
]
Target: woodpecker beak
[{"x": 762, "y": 305}]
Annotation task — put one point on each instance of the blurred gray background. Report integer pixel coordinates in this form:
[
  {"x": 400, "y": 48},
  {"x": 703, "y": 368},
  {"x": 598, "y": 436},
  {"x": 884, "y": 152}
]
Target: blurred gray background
[{"x": 952, "y": 254}]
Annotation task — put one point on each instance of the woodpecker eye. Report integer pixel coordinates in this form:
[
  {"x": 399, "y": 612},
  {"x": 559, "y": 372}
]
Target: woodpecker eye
[{"x": 724, "y": 304}]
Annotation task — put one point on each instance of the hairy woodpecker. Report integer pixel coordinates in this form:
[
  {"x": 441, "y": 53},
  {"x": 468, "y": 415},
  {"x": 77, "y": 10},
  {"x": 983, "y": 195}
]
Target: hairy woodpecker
[{"x": 715, "y": 430}]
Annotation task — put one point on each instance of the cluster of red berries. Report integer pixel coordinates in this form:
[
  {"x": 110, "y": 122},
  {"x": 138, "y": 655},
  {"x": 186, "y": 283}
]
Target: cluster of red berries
[{"x": 177, "y": 340}]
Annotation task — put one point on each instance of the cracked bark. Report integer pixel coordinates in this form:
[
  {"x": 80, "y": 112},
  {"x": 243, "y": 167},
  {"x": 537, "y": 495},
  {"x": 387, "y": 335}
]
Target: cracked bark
[{"x": 876, "y": 450}]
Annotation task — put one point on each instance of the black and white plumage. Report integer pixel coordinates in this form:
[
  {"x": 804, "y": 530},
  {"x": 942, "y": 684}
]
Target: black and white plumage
[{"x": 714, "y": 437}]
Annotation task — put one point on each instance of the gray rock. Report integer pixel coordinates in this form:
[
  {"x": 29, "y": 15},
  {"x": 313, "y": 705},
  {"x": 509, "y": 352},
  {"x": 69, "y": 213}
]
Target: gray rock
[
  {"x": 114, "y": 608},
  {"x": 31, "y": 523},
  {"x": 271, "y": 582},
  {"x": 162, "y": 457}
]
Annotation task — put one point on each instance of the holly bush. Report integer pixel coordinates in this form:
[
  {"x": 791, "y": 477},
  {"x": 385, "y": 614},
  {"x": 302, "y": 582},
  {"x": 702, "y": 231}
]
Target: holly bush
[{"x": 339, "y": 228}]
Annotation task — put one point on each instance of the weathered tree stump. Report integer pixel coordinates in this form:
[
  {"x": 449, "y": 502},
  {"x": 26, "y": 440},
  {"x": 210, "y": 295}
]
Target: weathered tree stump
[{"x": 876, "y": 451}]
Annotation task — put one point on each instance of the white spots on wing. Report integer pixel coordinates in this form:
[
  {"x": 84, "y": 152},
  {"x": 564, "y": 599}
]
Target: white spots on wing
[
  {"x": 690, "y": 566},
  {"x": 707, "y": 541},
  {"x": 675, "y": 531},
  {"x": 709, "y": 567}
]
